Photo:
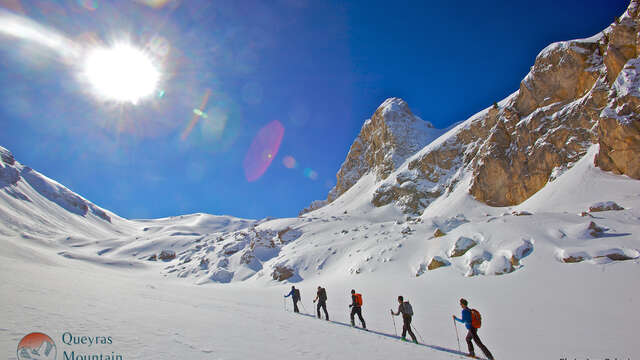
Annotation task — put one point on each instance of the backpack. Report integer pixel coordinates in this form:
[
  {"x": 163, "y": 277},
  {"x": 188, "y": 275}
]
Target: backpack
[
  {"x": 322, "y": 294},
  {"x": 358, "y": 299},
  {"x": 476, "y": 319},
  {"x": 407, "y": 309},
  {"x": 296, "y": 294}
]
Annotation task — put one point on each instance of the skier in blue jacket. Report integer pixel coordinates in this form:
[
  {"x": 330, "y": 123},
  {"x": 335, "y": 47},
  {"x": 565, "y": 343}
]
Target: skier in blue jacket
[
  {"x": 473, "y": 332},
  {"x": 295, "y": 296}
]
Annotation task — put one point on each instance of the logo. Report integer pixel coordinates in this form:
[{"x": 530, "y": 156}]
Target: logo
[{"x": 37, "y": 346}]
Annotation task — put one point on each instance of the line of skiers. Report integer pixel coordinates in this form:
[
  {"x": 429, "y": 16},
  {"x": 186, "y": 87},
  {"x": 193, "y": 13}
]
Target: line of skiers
[{"x": 470, "y": 317}]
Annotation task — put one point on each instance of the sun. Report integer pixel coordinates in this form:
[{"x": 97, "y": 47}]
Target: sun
[{"x": 121, "y": 73}]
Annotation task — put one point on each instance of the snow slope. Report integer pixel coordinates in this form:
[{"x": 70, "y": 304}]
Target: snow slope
[
  {"x": 553, "y": 277},
  {"x": 539, "y": 312},
  {"x": 33, "y": 204},
  {"x": 77, "y": 279}
]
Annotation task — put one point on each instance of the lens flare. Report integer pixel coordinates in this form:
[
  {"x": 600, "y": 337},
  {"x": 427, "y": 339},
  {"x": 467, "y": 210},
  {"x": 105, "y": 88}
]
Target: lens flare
[
  {"x": 289, "y": 162},
  {"x": 159, "y": 46},
  {"x": 24, "y": 28},
  {"x": 90, "y": 5},
  {"x": 200, "y": 113},
  {"x": 215, "y": 123},
  {"x": 121, "y": 73},
  {"x": 311, "y": 174},
  {"x": 197, "y": 114},
  {"x": 219, "y": 130},
  {"x": 156, "y": 4},
  {"x": 263, "y": 150}
]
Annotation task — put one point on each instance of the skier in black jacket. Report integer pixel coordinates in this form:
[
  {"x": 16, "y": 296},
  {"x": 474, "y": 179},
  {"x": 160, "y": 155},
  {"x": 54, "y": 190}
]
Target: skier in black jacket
[
  {"x": 321, "y": 298},
  {"x": 406, "y": 310}
]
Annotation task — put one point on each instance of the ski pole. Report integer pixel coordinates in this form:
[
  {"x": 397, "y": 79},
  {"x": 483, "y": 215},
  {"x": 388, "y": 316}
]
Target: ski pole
[
  {"x": 414, "y": 328},
  {"x": 394, "y": 324},
  {"x": 305, "y": 309},
  {"x": 284, "y": 304},
  {"x": 457, "y": 337}
]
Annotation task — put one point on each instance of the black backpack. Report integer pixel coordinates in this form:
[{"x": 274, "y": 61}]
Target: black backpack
[
  {"x": 322, "y": 294},
  {"x": 296, "y": 294},
  {"x": 407, "y": 309}
]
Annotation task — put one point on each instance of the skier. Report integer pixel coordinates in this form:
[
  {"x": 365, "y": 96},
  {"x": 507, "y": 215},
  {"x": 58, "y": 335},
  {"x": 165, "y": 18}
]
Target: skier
[
  {"x": 356, "y": 308},
  {"x": 467, "y": 320},
  {"x": 295, "y": 296},
  {"x": 406, "y": 310},
  {"x": 321, "y": 298}
]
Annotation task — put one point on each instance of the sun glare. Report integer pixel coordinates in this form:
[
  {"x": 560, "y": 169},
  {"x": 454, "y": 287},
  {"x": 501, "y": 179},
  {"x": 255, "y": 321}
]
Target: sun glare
[{"x": 121, "y": 73}]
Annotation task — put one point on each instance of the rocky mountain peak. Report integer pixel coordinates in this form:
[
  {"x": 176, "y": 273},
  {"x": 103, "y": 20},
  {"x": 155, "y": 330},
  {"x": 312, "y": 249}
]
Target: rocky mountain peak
[
  {"x": 578, "y": 93},
  {"x": 395, "y": 110},
  {"x": 386, "y": 140}
]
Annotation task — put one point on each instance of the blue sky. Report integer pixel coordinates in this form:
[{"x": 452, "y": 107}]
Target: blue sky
[{"x": 319, "y": 68}]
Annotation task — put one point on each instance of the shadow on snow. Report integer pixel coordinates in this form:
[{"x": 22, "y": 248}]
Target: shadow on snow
[{"x": 433, "y": 347}]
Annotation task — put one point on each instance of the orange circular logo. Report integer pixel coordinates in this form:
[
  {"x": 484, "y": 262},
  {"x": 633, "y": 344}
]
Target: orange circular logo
[{"x": 36, "y": 346}]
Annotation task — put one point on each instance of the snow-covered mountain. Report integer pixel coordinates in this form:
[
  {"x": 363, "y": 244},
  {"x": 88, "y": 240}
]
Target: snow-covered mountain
[
  {"x": 38, "y": 213},
  {"x": 578, "y": 93},
  {"x": 571, "y": 250},
  {"x": 34, "y": 205},
  {"x": 385, "y": 141},
  {"x": 531, "y": 205},
  {"x": 403, "y": 180}
]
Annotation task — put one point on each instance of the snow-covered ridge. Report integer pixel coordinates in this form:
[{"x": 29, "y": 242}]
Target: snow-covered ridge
[
  {"x": 349, "y": 237},
  {"x": 33, "y": 204}
]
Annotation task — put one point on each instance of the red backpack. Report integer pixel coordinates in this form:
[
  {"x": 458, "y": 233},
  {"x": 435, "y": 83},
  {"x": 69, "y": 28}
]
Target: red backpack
[
  {"x": 476, "y": 319},
  {"x": 358, "y": 299}
]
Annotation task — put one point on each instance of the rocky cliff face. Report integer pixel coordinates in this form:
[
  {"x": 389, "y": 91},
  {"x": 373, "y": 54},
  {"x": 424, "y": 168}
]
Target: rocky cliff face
[
  {"x": 385, "y": 141},
  {"x": 619, "y": 124},
  {"x": 578, "y": 93}
]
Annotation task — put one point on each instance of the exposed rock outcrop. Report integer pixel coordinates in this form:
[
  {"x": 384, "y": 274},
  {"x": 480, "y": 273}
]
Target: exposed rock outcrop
[
  {"x": 461, "y": 246},
  {"x": 594, "y": 230},
  {"x": 599, "y": 257},
  {"x": 237, "y": 255},
  {"x": 437, "y": 262},
  {"x": 438, "y": 233},
  {"x": 619, "y": 126},
  {"x": 578, "y": 93},
  {"x": 166, "y": 255},
  {"x": 282, "y": 273},
  {"x": 605, "y": 206},
  {"x": 6, "y": 156},
  {"x": 315, "y": 205},
  {"x": 386, "y": 140},
  {"x": 476, "y": 262},
  {"x": 571, "y": 90},
  {"x": 573, "y": 259},
  {"x": 9, "y": 175}
]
